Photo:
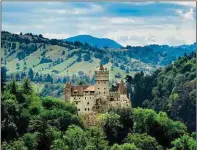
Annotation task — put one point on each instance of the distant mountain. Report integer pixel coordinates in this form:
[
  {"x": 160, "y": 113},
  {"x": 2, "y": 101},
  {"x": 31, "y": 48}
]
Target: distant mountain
[{"x": 99, "y": 42}]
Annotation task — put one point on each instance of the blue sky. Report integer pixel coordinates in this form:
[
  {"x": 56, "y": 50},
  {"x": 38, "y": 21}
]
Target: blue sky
[{"x": 129, "y": 23}]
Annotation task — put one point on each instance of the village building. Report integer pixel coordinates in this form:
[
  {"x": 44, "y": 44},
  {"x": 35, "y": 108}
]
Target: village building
[{"x": 98, "y": 97}]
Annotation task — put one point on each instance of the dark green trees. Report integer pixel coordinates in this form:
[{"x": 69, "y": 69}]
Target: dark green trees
[
  {"x": 32, "y": 122},
  {"x": 171, "y": 89}
]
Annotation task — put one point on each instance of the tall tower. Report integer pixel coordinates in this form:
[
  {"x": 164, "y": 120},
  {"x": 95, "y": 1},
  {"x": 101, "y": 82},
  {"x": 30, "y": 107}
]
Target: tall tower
[
  {"x": 67, "y": 92},
  {"x": 102, "y": 81}
]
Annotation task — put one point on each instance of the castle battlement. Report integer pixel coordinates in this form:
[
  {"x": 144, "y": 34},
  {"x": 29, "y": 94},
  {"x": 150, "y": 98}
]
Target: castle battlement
[{"x": 91, "y": 98}]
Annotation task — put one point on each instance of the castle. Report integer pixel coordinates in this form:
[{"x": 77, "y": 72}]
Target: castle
[{"x": 98, "y": 97}]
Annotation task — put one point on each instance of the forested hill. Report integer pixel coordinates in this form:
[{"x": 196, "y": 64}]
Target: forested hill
[
  {"x": 171, "y": 89},
  {"x": 69, "y": 60},
  {"x": 29, "y": 122},
  {"x": 50, "y": 63}
]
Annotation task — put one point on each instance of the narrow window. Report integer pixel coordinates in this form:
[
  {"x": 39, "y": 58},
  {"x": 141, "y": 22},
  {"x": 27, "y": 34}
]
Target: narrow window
[
  {"x": 78, "y": 109},
  {"x": 85, "y": 109},
  {"x": 87, "y": 103},
  {"x": 85, "y": 97},
  {"x": 88, "y": 109}
]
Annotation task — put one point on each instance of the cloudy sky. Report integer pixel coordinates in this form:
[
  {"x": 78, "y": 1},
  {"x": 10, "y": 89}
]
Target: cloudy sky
[{"x": 134, "y": 23}]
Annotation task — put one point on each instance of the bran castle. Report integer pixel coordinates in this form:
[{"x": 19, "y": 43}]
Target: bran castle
[{"x": 98, "y": 97}]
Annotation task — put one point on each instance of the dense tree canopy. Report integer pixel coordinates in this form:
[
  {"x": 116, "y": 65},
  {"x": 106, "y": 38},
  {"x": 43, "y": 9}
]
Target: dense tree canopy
[{"x": 171, "y": 89}]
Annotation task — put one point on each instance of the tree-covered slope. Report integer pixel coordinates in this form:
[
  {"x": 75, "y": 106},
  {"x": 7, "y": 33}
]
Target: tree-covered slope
[
  {"x": 59, "y": 59},
  {"x": 63, "y": 59},
  {"x": 30, "y": 122},
  {"x": 171, "y": 89}
]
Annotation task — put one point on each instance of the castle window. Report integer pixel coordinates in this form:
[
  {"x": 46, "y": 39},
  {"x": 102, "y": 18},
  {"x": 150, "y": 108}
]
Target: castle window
[
  {"x": 87, "y": 103},
  {"x": 111, "y": 99},
  {"x": 78, "y": 109},
  {"x": 85, "y": 109},
  {"x": 98, "y": 88},
  {"x": 98, "y": 82},
  {"x": 76, "y": 103},
  {"x": 85, "y": 97},
  {"x": 104, "y": 82},
  {"x": 88, "y": 109},
  {"x": 104, "y": 92}
]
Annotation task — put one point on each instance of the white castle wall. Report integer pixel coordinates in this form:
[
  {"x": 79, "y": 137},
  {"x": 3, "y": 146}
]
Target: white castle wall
[{"x": 84, "y": 103}]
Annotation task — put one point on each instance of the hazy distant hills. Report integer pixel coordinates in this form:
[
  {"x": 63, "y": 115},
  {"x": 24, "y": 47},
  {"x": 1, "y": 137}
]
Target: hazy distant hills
[{"x": 93, "y": 41}]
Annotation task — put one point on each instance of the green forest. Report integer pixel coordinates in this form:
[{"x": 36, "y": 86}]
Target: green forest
[
  {"x": 162, "y": 116},
  {"x": 171, "y": 89}
]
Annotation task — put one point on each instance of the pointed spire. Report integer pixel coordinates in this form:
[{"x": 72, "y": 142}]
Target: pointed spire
[{"x": 101, "y": 67}]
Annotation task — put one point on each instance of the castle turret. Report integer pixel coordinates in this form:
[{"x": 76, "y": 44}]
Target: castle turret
[
  {"x": 67, "y": 91},
  {"x": 102, "y": 81},
  {"x": 121, "y": 87}
]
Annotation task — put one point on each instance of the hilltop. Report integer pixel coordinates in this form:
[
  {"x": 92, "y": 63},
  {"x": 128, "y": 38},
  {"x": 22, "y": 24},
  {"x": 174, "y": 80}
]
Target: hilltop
[{"x": 94, "y": 41}]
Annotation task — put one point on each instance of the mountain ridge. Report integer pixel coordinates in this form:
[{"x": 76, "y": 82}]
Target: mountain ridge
[{"x": 94, "y": 41}]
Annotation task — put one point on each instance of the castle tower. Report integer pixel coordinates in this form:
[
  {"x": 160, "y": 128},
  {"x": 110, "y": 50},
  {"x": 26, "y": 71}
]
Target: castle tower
[
  {"x": 102, "y": 81},
  {"x": 121, "y": 88},
  {"x": 67, "y": 92}
]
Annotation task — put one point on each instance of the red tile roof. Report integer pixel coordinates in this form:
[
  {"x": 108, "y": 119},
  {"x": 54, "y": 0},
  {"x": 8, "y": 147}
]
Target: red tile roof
[
  {"x": 83, "y": 88},
  {"x": 90, "y": 88}
]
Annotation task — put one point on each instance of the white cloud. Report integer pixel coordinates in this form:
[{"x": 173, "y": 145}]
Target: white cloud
[
  {"x": 189, "y": 15},
  {"x": 190, "y": 4},
  {"x": 39, "y": 26},
  {"x": 92, "y": 8},
  {"x": 119, "y": 20},
  {"x": 168, "y": 34},
  {"x": 56, "y": 35}
]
